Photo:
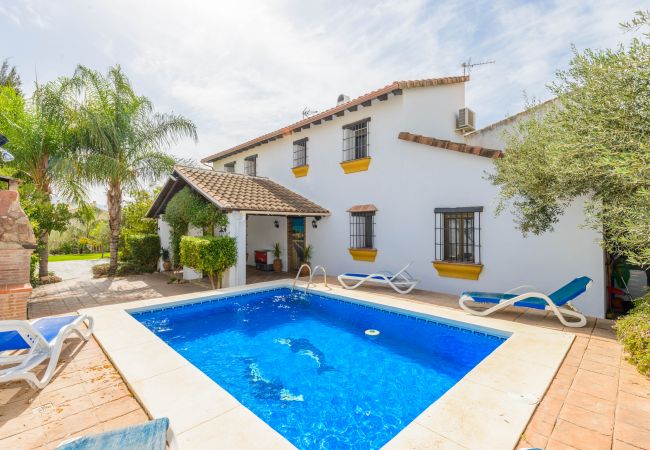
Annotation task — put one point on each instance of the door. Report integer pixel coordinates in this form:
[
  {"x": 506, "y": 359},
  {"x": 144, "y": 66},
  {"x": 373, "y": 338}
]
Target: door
[{"x": 295, "y": 241}]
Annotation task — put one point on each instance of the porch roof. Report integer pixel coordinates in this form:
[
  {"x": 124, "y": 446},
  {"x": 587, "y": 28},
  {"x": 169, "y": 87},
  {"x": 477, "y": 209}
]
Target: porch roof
[{"x": 236, "y": 192}]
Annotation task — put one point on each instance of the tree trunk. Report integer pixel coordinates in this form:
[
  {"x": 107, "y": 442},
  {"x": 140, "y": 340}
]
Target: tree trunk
[
  {"x": 114, "y": 203},
  {"x": 43, "y": 252}
]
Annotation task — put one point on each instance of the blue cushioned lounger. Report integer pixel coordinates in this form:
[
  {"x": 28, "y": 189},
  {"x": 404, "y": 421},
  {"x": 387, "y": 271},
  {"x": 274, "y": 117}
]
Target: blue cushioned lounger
[
  {"x": 555, "y": 302},
  {"x": 42, "y": 339},
  {"x": 147, "y": 436}
]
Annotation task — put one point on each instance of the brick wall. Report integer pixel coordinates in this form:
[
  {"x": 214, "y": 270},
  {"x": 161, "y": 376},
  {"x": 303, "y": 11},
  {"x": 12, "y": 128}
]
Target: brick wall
[
  {"x": 14, "y": 266},
  {"x": 13, "y": 301}
]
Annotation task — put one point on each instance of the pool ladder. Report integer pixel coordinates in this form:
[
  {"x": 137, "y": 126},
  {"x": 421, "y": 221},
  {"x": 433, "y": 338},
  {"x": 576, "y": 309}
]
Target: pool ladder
[{"x": 311, "y": 276}]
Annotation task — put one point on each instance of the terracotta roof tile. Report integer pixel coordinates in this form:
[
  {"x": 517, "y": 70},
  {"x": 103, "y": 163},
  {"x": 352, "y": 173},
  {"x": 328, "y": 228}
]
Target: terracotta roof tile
[
  {"x": 450, "y": 145},
  {"x": 232, "y": 191},
  {"x": 363, "y": 208},
  {"x": 394, "y": 87}
]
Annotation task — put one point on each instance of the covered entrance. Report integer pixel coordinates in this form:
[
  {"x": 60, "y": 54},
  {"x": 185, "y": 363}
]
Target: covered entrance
[{"x": 261, "y": 213}]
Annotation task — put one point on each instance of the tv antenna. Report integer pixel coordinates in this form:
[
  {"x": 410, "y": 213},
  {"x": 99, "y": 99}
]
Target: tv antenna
[
  {"x": 467, "y": 65},
  {"x": 308, "y": 112}
]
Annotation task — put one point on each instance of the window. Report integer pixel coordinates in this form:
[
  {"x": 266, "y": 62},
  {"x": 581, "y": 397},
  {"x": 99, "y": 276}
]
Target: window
[
  {"x": 355, "y": 140},
  {"x": 300, "y": 153},
  {"x": 458, "y": 234},
  {"x": 362, "y": 229},
  {"x": 250, "y": 165},
  {"x": 230, "y": 167}
]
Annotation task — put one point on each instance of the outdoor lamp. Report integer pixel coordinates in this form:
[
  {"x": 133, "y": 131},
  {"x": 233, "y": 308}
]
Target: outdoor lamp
[
  {"x": 314, "y": 224},
  {"x": 276, "y": 224}
]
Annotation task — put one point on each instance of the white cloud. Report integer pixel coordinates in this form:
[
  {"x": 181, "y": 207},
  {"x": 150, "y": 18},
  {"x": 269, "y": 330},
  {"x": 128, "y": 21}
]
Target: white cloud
[{"x": 240, "y": 69}]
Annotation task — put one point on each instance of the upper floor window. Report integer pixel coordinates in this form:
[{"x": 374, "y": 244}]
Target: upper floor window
[
  {"x": 300, "y": 153},
  {"x": 230, "y": 167},
  {"x": 362, "y": 226},
  {"x": 250, "y": 165},
  {"x": 458, "y": 234},
  {"x": 356, "y": 140}
]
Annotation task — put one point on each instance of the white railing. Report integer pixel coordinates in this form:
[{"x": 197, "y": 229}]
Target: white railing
[{"x": 311, "y": 276}]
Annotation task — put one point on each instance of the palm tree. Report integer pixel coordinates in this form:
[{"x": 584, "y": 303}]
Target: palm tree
[
  {"x": 9, "y": 76},
  {"x": 120, "y": 136},
  {"x": 39, "y": 136}
]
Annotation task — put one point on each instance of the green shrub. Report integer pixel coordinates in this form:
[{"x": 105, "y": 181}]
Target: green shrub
[
  {"x": 100, "y": 270},
  {"x": 34, "y": 260},
  {"x": 187, "y": 208},
  {"x": 211, "y": 255},
  {"x": 141, "y": 252},
  {"x": 633, "y": 330}
]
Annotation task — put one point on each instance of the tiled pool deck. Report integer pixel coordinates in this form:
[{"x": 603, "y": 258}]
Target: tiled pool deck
[{"x": 596, "y": 400}]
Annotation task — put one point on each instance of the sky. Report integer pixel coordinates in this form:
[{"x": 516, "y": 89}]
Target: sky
[{"x": 239, "y": 69}]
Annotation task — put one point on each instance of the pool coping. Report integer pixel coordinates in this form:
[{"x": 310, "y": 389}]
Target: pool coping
[{"x": 488, "y": 408}]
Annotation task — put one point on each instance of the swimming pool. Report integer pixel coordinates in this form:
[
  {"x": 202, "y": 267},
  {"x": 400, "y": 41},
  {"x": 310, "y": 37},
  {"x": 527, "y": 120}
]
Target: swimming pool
[{"x": 305, "y": 366}]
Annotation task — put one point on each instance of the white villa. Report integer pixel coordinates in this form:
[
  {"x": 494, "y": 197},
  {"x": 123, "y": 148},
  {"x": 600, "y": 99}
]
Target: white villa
[{"x": 397, "y": 175}]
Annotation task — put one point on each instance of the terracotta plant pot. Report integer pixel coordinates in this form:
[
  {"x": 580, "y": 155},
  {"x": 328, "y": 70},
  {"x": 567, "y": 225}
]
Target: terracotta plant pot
[
  {"x": 167, "y": 265},
  {"x": 304, "y": 272},
  {"x": 277, "y": 265}
]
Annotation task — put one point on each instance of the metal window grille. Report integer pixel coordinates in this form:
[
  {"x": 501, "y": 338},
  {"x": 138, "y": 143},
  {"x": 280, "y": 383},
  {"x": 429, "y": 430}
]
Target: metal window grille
[
  {"x": 230, "y": 167},
  {"x": 362, "y": 230},
  {"x": 356, "y": 140},
  {"x": 250, "y": 166},
  {"x": 458, "y": 234},
  {"x": 300, "y": 153}
]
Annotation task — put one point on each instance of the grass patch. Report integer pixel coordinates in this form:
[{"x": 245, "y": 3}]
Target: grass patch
[{"x": 83, "y": 257}]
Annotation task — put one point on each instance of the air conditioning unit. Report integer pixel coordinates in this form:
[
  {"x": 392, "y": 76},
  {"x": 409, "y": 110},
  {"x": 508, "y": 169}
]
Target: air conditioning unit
[{"x": 465, "y": 120}]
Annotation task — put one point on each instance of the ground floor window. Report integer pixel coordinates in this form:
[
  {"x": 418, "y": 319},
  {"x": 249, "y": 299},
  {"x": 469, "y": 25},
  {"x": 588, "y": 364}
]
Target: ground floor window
[
  {"x": 362, "y": 226},
  {"x": 458, "y": 234}
]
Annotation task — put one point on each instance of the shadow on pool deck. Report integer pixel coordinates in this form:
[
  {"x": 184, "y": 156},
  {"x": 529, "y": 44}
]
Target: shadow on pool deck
[{"x": 596, "y": 401}]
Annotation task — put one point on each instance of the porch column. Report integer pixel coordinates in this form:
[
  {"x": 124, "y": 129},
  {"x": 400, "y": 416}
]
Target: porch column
[{"x": 236, "y": 276}]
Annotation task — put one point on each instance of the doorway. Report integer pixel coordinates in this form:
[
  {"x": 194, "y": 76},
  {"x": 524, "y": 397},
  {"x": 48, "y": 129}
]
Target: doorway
[{"x": 295, "y": 241}]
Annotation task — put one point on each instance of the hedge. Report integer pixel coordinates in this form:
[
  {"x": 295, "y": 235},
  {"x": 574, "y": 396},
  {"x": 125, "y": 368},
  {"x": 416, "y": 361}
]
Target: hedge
[
  {"x": 141, "y": 252},
  {"x": 212, "y": 255},
  {"x": 633, "y": 330}
]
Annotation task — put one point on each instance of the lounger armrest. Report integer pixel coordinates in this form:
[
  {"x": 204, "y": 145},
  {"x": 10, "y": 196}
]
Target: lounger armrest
[
  {"x": 25, "y": 329},
  {"x": 522, "y": 289}
]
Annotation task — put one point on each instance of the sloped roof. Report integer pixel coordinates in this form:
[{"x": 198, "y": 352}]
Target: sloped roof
[
  {"x": 394, "y": 88},
  {"x": 236, "y": 192},
  {"x": 450, "y": 145}
]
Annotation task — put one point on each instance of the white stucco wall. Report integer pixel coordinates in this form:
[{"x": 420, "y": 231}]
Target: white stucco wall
[
  {"x": 406, "y": 181},
  {"x": 164, "y": 233}
]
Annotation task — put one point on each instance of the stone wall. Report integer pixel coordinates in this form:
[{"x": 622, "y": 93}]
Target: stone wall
[{"x": 17, "y": 242}]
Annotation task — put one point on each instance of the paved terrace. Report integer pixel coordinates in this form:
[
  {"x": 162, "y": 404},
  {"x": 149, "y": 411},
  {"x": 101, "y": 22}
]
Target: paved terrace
[{"x": 596, "y": 401}]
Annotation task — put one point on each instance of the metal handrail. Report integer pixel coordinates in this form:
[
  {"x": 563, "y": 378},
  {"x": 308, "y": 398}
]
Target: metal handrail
[
  {"x": 311, "y": 276},
  {"x": 298, "y": 275},
  {"x": 324, "y": 275}
]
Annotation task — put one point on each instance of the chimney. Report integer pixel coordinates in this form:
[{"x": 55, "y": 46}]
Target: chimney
[{"x": 17, "y": 243}]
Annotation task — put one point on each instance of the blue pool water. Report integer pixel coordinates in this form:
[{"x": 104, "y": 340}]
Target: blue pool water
[{"x": 303, "y": 364}]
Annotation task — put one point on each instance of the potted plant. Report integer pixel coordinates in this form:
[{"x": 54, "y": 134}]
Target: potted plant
[
  {"x": 306, "y": 259},
  {"x": 277, "y": 262},
  {"x": 167, "y": 264}
]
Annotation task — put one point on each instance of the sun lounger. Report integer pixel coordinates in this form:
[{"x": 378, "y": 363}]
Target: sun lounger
[
  {"x": 559, "y": 302},
  {"x": 42, "y": 339},
  {"x": 401, "y": 281},
  {"x": 147, "y": 436}
]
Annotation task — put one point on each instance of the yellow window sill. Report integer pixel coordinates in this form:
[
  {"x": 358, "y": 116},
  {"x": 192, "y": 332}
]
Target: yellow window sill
[
  {"x": 356, "y": 165},
  {"x": 300, "y": 171},
  {"x": 363, "y": 254},
  {"x": 458, "y": 270}
]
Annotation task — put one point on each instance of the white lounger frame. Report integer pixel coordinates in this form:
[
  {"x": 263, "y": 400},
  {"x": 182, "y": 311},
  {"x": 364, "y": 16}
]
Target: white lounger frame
[
  {"x": 39, "y": 350},
  {"x": 402, "y": 281},
  {"x": 561, "y": 313}
]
